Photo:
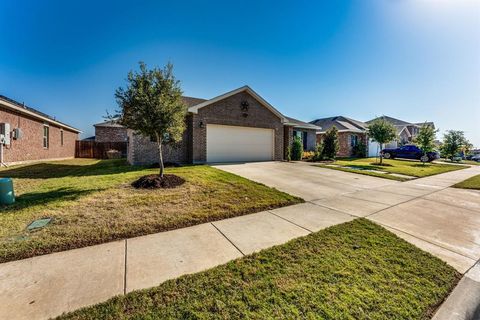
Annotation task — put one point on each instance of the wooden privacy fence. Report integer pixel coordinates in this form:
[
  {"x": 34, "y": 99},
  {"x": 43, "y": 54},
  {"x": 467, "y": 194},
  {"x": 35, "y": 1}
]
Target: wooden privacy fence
[{"x": 98, "y": 150}]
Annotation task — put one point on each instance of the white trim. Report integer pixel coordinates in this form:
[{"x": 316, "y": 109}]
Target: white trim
[
  {"x": 37, "y": 116},
  {"x": 194, "y": 109},
  {"x": 404, "y": 128},
  {"x": 300, "y": 126},
  {"x": 344, "y": 130}
]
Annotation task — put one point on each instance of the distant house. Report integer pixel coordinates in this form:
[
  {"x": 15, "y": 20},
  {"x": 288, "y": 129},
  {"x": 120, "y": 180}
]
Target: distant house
[
  {"x": 110, "y": 131},
  {"x": 350, "y": 132},
  {"x": 233, "y": 127},
  {"x": 29, "y": 135},
  {"x": 406, "y": 132}
]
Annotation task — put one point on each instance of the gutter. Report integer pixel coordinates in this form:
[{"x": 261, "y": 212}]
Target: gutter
[{"x": 37, "y": 116}]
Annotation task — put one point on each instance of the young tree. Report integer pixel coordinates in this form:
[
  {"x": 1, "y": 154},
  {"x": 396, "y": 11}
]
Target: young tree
[
  {"x": 297, "y": 149},
  {"x": 152, "y": 105},
  {"x": 382, "y": 132},
  {"x": 318, "y": 155},
  {"x": 426, "y": 140},
  {"x": 330, "y": 143},
  {"x": 453, "y": 142}
]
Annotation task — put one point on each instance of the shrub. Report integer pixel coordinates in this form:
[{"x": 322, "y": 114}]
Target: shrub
[
  {"x": 330, "y": 144},
  {"x": 318, "y": 155},
  {"x": 288, "y": 156},
  {"x": 114, "y": 154},
  {"x": 297, "y": 149},
  {"x": 360, "y": 150},
  {"x": 308, "y": 155}
]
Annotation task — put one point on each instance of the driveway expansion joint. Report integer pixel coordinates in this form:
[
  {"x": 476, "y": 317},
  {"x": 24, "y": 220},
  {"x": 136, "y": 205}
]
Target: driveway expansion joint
[
  {"x": 276, "y": 215},
  {"x": 125, "y": 270},
  {"x": 231, "y": 242}
]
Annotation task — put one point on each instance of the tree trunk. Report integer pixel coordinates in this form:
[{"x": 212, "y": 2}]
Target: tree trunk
[
  {"x": 160, "y": 156},
  {"x": 381, "y": 154}
]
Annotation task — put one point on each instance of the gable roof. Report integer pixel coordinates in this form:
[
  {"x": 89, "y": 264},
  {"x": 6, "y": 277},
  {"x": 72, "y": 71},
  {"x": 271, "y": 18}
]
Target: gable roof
[
  {"x": 191, "y": 101},
  {"x": 343, "y": 124},
  {"x": 393, "y": 121},
  {"x": 400, "y": 124},
  {"x": 300, "y": 124},
  {"x": 26, "y": 110},
  {"x": 195, "y": 108}
]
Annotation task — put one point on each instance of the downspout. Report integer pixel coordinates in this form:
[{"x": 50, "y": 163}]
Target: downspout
[{"x": 1, "y": 155}]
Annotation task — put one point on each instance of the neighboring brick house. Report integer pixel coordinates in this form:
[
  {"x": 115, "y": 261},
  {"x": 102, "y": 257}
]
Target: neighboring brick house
[
  {"x": 236, "y": 126},
  {"x": 406, "y": 133},
  {"x": 350, "y": 133},
  {"x": 110, "y": 131},
  {"x": 30, "y": 135}
]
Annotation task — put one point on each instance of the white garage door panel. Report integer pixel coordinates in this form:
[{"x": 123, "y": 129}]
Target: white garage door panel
[{"x": 230, "y": 143}]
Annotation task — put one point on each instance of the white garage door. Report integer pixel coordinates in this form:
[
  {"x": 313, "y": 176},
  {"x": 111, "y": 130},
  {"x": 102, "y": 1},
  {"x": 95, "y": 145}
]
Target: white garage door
[{"x": 231, "y": 143}]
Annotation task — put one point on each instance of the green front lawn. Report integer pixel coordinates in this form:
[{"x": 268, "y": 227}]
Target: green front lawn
[
  {"x": 356, "y": 270},
  {"x": 468, "y": 162},
  {"x": 471, "y": 183},
  {"x": 91, "y": 202},
  {"x": 404, "y": 167}
]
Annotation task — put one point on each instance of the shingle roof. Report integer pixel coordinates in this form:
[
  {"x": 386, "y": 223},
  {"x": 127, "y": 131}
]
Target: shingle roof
[
  {"x": 108, "y": 123},
  {"x": 393, "y": 121},
  {"x": 341, "y": 123},
  {"x": 400, "y": 124},
  {"x": 191, "y": 101},
  {"x": 300, "y": 124},
  {"x": 34, "y": 111}
]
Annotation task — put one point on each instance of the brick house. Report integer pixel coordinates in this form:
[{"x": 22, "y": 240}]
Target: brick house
[
  {"x": 406, "y": 133},
  {"x": 110, "y": 131},
  {"x": 233, "y": 127},
  {"x": 30, "y": 135},
  {"x": 350, "y": 133}
]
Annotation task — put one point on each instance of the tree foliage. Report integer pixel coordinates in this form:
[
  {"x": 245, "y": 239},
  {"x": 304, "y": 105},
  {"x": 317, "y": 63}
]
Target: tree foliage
[
  {"x": 359, "y": 150},
  {"x": 453, "y": 142},
  {"x": 425, "y": 139},
  {"x": 318, "y": 154},
  {"x": 297, "y": 149},
  {"x": 382, "y": 132},
  {"x": 330, "y": 143},
  {"x": 151, "y": 104}
]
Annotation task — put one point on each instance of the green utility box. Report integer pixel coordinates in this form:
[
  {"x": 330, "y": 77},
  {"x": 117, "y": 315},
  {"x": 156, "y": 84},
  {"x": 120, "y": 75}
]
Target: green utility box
[{"x": 6, "y": 191}]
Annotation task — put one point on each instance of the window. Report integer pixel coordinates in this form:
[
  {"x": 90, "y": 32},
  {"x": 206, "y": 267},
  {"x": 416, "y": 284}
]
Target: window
[
  {"x": 61, "y": 137},
  {"x": 353, "y": 140},
  {"x": 46, "y": 134},
  {"x": 303, "y": 136}
]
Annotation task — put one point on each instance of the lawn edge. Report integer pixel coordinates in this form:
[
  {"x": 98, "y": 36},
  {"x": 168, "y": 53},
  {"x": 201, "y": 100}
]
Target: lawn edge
[
  {"x": 5, "y": 258},
  {"x": 371, "y": 174},
  {"x": 430, "y": 312}
]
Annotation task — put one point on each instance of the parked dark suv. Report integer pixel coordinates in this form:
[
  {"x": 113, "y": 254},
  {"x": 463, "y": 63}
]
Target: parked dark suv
[{"x": 409, "y": 152}]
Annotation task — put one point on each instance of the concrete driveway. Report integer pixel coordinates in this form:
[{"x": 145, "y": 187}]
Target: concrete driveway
[
  {"x": 426, "y": 212},
  {"x": 304, "y": 180}
]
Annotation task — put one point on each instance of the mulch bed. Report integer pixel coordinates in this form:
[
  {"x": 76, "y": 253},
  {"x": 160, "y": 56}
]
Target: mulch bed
[{"x": 153, "y": 181}]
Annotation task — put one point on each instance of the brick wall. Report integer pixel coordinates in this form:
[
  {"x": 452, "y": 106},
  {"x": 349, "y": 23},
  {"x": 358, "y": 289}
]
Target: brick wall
[
  {"x": 110, "y": 134},
  {"x": 344, "y": 142},
  {"x": 228, "y": 112},
  {"x": 143, "y": 151},
  {"x": 287, "y": 139},
  {"x": 30, "y": 146}
]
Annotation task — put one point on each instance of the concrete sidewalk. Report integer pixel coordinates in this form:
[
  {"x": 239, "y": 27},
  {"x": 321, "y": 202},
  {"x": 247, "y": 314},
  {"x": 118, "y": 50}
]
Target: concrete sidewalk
[
  {"x": 45, "y": 286},
  {"x": 464, "y": 301}
]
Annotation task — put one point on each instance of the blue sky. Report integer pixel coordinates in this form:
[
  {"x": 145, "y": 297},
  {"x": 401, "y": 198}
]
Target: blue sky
[{"x": 414, "y": 60}]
